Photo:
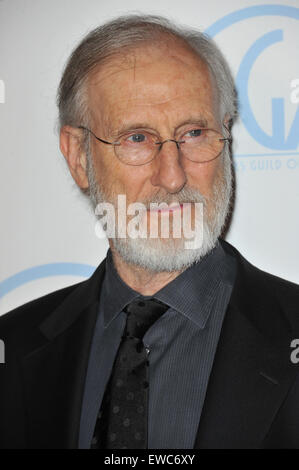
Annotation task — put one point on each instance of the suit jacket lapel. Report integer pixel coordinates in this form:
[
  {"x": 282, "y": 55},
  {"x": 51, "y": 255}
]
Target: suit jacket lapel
[
  {"x": 54, "y": 373},
  {"x": 252, "y": 371}
]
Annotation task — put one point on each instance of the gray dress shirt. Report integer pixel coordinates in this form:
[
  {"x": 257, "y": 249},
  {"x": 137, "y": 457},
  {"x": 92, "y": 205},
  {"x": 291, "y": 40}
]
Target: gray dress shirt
[{"x": 182, "y": 345}]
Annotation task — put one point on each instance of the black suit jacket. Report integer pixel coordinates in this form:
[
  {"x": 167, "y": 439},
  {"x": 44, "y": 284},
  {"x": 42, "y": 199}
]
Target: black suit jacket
[{"x": 252, "y": 400}]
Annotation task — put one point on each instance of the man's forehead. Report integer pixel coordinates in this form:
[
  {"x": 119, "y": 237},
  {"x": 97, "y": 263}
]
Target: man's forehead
[
  {"x": 146, "y": 62},
  {"x": 149, "y": 77}
]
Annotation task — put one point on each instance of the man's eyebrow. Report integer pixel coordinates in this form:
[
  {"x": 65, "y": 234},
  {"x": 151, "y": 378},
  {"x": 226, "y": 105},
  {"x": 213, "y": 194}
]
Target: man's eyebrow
[
  {"x": 198, "y": 120},
  {"x": 130, "y": 127}
]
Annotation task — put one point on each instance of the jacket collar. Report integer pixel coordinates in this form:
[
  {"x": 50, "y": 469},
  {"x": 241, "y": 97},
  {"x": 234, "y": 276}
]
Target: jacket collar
[
  {"x": 83, "y": 296},
  {"x": 53, "y": 395}
]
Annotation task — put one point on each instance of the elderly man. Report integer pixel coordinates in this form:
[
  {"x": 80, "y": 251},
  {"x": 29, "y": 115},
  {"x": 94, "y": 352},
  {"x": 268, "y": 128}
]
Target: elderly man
[{"x": 169, "y": 345}]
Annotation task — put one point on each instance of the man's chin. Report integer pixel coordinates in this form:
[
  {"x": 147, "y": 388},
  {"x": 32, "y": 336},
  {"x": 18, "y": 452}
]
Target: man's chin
[{"x": 161, "y": 254}]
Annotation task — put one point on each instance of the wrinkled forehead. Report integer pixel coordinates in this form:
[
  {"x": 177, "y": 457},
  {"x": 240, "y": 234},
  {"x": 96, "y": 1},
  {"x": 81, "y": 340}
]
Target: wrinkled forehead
[{"x": 150, "y": 77}]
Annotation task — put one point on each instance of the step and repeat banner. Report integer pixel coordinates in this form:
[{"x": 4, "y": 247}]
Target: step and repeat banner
[{"x": 48, "y": 237}]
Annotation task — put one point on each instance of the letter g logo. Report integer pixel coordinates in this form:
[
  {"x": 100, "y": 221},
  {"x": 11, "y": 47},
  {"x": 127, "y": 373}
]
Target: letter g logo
[{"x": 278, "y": 140}]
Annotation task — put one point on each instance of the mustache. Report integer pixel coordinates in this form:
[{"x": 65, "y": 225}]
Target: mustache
[{"x": 186, "y": 195}]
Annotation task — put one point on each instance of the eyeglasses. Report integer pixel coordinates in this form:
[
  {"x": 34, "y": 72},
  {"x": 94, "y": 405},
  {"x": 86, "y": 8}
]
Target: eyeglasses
[{"x": 199, "y": 145}]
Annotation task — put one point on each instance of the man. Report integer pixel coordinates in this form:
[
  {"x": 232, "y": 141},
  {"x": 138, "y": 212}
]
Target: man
[{"x": 168, "y": 345}]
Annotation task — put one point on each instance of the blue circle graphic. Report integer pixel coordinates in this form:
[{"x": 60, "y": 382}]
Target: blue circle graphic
[
  {"x": 251, "y": 12},
  {"x": 278, "y": 141},
  {"x": 42, "y": 271}
]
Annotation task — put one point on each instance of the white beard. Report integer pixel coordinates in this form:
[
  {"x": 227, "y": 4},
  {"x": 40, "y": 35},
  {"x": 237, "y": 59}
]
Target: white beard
[{"x": 169, "y": 255}]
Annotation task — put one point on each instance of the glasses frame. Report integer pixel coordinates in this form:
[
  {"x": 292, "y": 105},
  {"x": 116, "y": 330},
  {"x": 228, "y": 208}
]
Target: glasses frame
[{"x": 177, "y": 142}]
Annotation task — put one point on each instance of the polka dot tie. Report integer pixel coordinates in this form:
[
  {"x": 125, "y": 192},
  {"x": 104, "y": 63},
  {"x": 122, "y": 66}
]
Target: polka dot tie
[{"x": 122, "y": 420}]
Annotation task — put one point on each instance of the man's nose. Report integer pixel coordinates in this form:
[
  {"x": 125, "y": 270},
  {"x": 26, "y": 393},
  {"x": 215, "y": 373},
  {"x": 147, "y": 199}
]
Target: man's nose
[{"x": 168, "y": 171}]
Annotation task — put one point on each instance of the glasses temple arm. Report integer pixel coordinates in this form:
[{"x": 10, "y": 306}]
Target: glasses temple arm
[{"x": 98, "y": 138}]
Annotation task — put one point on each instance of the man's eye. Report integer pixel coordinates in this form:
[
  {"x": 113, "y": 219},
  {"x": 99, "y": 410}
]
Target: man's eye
[
  {"x": 194, "y": 133},
  {"x": 136, "y": 138}
]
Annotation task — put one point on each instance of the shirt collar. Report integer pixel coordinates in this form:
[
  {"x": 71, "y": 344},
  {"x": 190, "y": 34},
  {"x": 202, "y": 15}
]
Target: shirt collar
[{"x": 192, "y": 293}]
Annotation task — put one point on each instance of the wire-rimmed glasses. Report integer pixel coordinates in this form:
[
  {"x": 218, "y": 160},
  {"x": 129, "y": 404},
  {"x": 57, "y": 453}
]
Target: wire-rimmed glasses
[{"x": 138, "y": 147}]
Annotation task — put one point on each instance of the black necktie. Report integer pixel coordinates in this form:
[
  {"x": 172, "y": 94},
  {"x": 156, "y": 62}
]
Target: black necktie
[{"x": 122, "y": 421}]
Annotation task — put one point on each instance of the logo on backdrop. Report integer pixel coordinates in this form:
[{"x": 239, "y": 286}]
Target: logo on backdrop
[
  {"x": 280, "y": 147},
  {"x": 278, "y": 140}
]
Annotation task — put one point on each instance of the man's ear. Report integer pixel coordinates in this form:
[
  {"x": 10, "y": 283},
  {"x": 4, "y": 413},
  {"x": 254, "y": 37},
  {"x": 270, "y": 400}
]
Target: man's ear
[
  {"x": 71, "y": 147},
  {"x": 227, "y": 121}
]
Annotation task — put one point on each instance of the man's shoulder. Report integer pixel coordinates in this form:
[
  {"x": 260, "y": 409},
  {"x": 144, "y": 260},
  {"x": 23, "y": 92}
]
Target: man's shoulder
[
  {"x": 254, "y": 271},
  {"x": 263, "y": 289},
  {"x": 25, "y": 327},
  {"x": 36, "y": 310},
  {"x": 33, "y": 313}
]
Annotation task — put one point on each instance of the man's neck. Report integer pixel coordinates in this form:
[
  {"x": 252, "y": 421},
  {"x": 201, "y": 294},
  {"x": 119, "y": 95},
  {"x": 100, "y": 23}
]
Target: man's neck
[{"x": 141, "y": 280}]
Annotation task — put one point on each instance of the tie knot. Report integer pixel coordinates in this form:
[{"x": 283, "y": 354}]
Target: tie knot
[{"x": 142, "y": 314}]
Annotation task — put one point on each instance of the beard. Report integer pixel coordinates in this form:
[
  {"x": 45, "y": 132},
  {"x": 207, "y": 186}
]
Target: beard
[{"x": 168, "y": 255}]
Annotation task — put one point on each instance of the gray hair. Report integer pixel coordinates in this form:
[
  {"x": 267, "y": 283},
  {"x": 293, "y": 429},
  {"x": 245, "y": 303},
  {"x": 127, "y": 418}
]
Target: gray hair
[{"x": 128, "y": 32}]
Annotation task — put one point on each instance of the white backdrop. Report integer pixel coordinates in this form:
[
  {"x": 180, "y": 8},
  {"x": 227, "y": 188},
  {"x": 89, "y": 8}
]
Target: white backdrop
[{"x": 47, "y": 230}]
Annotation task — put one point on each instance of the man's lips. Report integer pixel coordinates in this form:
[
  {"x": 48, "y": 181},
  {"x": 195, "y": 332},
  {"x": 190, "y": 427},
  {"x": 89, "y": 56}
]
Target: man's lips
[{"x": 172, "y": 208}]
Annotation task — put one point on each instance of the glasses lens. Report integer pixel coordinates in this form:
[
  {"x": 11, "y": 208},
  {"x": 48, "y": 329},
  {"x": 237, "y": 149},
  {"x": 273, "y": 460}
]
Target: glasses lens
[
  {"x": 202, "y": 145},
  {"x": 137, "y": 148}
]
